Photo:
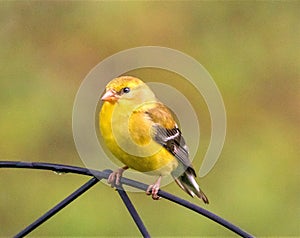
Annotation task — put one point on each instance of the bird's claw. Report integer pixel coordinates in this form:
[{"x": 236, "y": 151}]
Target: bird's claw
[
  {"x": 153, "y": 190},
  {"x": 115, "y": 177}
]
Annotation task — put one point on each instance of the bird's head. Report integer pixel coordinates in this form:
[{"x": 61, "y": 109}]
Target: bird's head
[{"x": 127, "y": 89}]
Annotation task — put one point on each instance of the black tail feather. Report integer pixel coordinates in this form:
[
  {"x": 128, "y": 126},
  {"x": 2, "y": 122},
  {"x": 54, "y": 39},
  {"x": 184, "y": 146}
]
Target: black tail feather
[{"x": 187, "y": 182}]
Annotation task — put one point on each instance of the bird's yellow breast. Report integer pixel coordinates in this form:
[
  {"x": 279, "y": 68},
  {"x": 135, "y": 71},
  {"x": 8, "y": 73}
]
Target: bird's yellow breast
[{"x": 127, "y": 134}]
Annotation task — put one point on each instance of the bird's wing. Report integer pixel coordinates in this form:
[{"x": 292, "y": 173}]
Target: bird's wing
[{"x": 167, "y": 133}]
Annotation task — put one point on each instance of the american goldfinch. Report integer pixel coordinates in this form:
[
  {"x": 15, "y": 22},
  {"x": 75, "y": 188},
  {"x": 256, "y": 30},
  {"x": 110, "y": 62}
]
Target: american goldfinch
[{"x": 142, "y": 133}]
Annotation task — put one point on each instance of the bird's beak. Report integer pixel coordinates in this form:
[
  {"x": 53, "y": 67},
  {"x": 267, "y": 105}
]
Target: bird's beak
[{"x": 110, "y": 96}]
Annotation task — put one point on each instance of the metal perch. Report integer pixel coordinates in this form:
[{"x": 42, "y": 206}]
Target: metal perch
[{"x": 97, "y": 175}]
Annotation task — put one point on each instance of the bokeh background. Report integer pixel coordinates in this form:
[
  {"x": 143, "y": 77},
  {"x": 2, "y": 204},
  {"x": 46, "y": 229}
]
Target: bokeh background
[{"x": 252, "y": 50}]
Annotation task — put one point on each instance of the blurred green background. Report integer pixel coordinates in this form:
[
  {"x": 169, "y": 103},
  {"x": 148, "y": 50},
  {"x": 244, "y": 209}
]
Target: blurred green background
[{"x": 252, "y": 50}]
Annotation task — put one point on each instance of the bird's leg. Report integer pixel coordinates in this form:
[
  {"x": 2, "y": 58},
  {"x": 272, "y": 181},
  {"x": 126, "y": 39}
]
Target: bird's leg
[
  {"x": 153, "y": 189},
  {"x": 114, "y": 177}
]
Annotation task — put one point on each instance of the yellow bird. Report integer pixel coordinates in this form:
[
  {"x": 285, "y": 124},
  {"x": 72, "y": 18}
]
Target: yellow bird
[{"x": 142, "y": 133}]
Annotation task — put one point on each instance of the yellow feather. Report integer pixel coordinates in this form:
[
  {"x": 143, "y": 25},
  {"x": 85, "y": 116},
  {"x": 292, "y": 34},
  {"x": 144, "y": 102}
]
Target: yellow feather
[
  {"x": 128, "y": 121},
  {"x": 127, "y": 133}
]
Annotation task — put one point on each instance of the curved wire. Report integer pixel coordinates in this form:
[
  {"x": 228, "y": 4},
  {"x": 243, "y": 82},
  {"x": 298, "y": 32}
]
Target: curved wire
[
  {"x": 138, "y": 221},
  {"x": 57, "y": 208},
  {"x": 59, "y": 168}
]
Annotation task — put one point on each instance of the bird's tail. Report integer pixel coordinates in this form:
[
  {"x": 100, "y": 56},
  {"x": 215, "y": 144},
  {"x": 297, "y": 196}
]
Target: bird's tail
[{"x": 188, "y": 183}]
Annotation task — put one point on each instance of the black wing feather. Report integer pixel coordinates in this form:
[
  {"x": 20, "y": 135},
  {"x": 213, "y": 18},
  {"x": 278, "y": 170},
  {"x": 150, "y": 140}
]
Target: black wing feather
[{"x": 174, "y": 142}]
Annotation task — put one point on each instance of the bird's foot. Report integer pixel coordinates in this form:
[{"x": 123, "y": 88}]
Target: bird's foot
[
  {"x": 153, "y": 189},
  {"x": 114, "y": 177}
]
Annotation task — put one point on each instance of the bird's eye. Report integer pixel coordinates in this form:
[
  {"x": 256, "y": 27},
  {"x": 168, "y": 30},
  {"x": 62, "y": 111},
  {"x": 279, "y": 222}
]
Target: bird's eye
[{"x": 126, "y": 90}]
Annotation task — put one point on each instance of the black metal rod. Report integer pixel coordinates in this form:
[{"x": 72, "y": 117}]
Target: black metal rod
[
  {"x": 129, "y": 182},
  {"x": 205, "y": 213},
  {"x": 190, "y": 206},
  {"x": 138, "y": 221},
  {"x": 58, "y": 207}
]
